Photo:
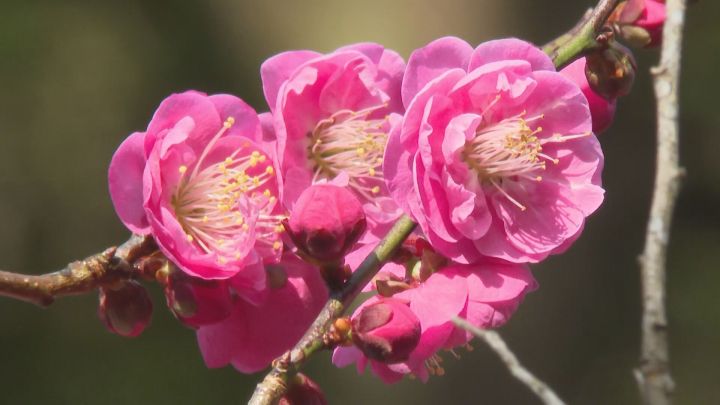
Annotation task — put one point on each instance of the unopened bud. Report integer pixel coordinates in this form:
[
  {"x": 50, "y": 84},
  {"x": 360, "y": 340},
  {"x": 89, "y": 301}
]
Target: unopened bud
[
  {"x": 303, "y": 391},
  {"x": 611, "y": 71},
  {"x": 640, "y": 22},
  {"x": 125, "y": 309},
  {"x": 325, "y": 222},
  {"x": 196, "y": 302},
  {"x": 386, "y": 331}
]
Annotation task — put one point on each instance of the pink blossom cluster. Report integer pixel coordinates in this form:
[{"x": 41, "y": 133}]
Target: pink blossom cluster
[{"x": 489, "y": 149}]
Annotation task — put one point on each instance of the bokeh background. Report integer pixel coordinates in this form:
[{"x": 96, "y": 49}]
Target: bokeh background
[{"x": 77, "y": 76}]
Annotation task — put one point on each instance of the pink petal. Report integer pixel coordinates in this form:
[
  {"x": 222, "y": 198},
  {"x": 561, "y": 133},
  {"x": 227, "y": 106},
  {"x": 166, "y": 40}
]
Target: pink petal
[
  {"x": 219, "y": 341},
  {"x": 246, "y": 121},
  {"x": 510, "y": 49},
  {"x": 278, "y": 69},
  {"x": 188, "y": 104},
  {"x": 344, "y": 356},
  {"x": 438, "y": 300},
  {"x": 491, "y": 282},
  {"x": 125, "y": 179},
  {"x": 431, "y": 61}
]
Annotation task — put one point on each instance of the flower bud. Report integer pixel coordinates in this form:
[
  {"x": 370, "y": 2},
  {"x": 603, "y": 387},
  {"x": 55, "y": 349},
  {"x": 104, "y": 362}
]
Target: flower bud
[
  {"x": 386, "y": 331},
  {"x": 325, "y": 222},
  {"x": 126, "y": 310},
  {"x": 196, "y": 302},
  {"x": 611, "y": 71},
  {"x": 640, "y": 22},
  {"x": 601, "y": 109},
  {"x": 303, "y": 391}
]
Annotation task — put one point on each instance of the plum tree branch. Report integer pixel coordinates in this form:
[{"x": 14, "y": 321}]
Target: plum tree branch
[
  {"x": 653, "y": 375},
  {"x": 582, "y": 36},
  {"x": 107, "y": 267},
  {"x": 273, "y": 386},
  {"x": 497, "y": 344}
]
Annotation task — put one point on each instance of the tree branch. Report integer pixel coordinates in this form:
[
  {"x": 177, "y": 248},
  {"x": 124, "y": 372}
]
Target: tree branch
[
  {"x": 653, "y": 375},
  {"x": 496, "y": 343},
  {"x": 582, "y": 36},
  {"x": 273, "y": 386},
  {"x": 115, "y": 263}
]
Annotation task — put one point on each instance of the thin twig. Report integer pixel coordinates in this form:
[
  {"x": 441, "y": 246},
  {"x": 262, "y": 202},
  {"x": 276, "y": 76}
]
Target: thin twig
[
  {"x": 497, "y": 344},
  {"x": 582, "y": 36},
  {"x": 653, "y": 375},
  {"x": 78, "y": 277},
  {"x": 273, "y": 386}
]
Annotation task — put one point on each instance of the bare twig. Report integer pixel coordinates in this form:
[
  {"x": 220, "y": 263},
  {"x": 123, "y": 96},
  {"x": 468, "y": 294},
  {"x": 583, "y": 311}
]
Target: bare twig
[
  {"x": 496, "y": 343},
  {"x": 104, "y": 268},
  {"x": 273, "y": 386},
  {"x": 653, "y": 375},
  {"x": 582, "y": 36}
]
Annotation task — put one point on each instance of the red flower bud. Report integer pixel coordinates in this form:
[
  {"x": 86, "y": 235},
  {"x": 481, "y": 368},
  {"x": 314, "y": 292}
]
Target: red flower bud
[
  {"x": 325, "y": 222},
  {"x": 386, "y": 331},
  {"x": 125, "y": 310},
  {"x": 196, "y": 302},
  {"x": 611, "y": 71},
  {"x": 303, "y": 391}
]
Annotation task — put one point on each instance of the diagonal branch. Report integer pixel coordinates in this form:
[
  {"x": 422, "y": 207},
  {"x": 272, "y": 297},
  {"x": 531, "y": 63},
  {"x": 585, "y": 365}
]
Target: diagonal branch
[
  {"x": 653, "y": 375},
  {"x": 273, "y": 385},
  {"x": 496, "y": 343},
  {"x": 115, "y": 263}
]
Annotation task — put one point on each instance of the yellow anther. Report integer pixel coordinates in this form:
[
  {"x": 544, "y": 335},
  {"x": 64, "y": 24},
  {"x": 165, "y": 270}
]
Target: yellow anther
[
  {"x": 262, "y": 158},
  {"x": 279, "y": 228},
  {"x": 375, "y": 189},
  {"x": 228, "y": 161},
  {"x": 189, "y": 238},
  {"x": 360, "y": 151},
  {"x": 255, "y": 154},
  {"x": 237, "y": 256},
  {"x": 269, "y": 170},
  {"x": 538, "y": 178},
  {"x": 272, "y": 199},
  {"x": 182, "y": 169},
  {"x": 277, "y": 245},
  {"x": 379, "y": 160},
  {"x": 267, "y": 193},
  {"x": 256, "y": 180},
  {"x": 229, "y": 122},
  {"x": 253, "y": 161},
  {"x": 371, "y": 171},
  {"x": 205, "y": 218}
]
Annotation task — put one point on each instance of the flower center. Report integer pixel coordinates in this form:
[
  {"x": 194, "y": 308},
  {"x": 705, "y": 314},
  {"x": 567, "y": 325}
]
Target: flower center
[
  {"x": 510, "y": 150},
  {"x": 219, "y": 205},
  {"x": 350, "y": 142}
]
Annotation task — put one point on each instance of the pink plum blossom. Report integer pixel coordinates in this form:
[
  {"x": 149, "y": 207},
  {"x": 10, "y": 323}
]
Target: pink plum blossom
[
  {"x": 495, "y": 155},
  {"x": 601, "y": 109},
  {"x": 332, "y": 115},
  {"x": 201, "y": 182},
  {"x": 485, "y": 294},
  {"x": 253, "y": 335}
]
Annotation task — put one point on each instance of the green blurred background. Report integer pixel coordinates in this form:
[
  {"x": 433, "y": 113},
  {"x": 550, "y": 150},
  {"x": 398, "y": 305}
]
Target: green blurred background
[{"x": 77, "y": 76}]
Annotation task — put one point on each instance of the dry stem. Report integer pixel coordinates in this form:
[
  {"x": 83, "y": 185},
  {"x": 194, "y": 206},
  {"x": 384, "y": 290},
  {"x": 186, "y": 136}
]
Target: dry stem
[{"x": 653, "y": 375}]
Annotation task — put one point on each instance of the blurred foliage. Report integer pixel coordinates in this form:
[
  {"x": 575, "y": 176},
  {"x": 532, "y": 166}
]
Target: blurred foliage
[{"x": 79, "y": 76}]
